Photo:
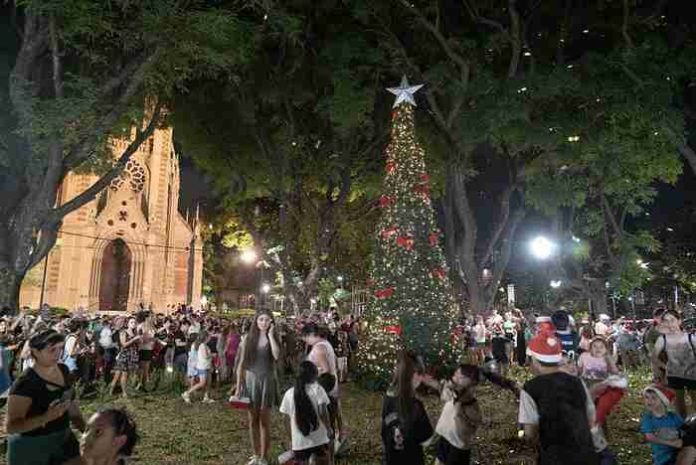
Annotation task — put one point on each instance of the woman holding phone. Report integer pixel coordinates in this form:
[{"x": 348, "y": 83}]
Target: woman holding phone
[
  {"x": 256, "y": 379},
  {"x": 41, "y": 407}
]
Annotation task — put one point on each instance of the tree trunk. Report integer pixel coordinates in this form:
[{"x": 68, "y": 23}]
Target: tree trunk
[{"x": 10, "y": 283}]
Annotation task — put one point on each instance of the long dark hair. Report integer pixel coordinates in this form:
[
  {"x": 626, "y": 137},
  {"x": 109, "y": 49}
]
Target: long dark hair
[
  {"x": 408, "y": 365},
  {"x": 252, "y": 340},
  {"x": 305, "y": 415}
]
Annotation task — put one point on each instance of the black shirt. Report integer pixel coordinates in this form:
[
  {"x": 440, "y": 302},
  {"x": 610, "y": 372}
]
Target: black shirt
[
  {"x": 42, "y": 393},
  {"x": 563, "y": 424},
  {"x": 402, "y": 442}
]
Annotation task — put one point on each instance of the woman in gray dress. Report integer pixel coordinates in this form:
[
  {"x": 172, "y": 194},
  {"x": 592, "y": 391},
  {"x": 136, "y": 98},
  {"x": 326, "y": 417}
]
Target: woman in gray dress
[{"x": 256, "y": 379}]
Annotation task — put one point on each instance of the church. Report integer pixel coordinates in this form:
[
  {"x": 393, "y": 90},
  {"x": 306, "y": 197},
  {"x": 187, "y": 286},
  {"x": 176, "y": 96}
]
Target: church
[{"x": 129, "y": 246}]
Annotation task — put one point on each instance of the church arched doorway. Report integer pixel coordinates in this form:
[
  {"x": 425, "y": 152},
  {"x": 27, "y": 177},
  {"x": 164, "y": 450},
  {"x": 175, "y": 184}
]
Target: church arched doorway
[{"x": 115, "y": 276}]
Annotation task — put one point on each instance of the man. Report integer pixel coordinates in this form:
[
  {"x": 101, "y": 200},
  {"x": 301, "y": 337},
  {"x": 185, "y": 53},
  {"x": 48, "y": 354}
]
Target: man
[
  {"x": 109, "y": 348},
  {"x": 555, "y": 409},
  {"x": 603, "y": 326},
  {"x": 45, "y": 312}
]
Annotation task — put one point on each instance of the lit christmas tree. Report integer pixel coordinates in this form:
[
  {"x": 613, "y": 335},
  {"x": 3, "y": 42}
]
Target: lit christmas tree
[{"x": 411, "y": 305}]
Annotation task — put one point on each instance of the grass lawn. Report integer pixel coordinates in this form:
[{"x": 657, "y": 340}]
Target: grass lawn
[{"x": 176, "y": 433}]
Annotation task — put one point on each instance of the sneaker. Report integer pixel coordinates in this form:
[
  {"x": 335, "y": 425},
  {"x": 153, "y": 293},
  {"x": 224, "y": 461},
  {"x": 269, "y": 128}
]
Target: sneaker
[
  {"x": 254, "y": 460},
  {"x": 208, "y": 400},
  {"x": 186, "y": 397}
]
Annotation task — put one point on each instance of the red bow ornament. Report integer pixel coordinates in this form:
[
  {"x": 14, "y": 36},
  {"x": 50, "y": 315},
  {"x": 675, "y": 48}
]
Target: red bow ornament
[
  {"x": 405, "y": 241},
  {"x": 434, "y": 238},
  {"x": 384, "y": 293},
  {"x": 439, "y": 273},
  {"x": 390, "y": 167},
  {"x": 393, "y": 329},
  {"x": 389, "y": 232},
  {"x": 385, "y": 201}
]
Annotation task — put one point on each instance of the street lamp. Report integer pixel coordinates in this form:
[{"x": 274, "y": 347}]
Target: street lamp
[
  {"x": 249, "y": 256},
  {"x": 556, "y": 283},
  {"x": 542, "y": 248},
  {"x": 265, "y": 288}
]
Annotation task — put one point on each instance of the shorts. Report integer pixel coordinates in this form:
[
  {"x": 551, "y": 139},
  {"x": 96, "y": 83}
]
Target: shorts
[
  {"x": 305, "y": 454},
  {"x": 202, "y": 374},
  {"x": 145, "y": 355},
  {"x": 450, "y": 455},
  {"x": 678, "y": 384},
  {"x": 480, "y": 345}
]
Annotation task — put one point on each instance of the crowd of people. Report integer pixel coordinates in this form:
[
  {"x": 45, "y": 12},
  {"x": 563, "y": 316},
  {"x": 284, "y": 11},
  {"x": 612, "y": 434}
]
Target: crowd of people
[{"x": 579, "y": 370}]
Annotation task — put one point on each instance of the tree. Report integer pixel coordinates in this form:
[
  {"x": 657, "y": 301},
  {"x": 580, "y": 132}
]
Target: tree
[
  {"x": 292, "y": 155},
  {"x": 81, "y": 72},
  {"x": 507, "y": 84},
  {"x": 411, "y": 289}
]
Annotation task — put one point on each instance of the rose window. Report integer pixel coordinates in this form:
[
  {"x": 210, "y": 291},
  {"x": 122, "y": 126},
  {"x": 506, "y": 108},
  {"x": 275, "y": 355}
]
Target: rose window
[{"x": 133, "y": 175}]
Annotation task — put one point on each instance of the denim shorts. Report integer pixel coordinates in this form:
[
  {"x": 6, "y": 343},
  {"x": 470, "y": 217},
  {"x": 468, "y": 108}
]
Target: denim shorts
[{"x": 202, "y": 373}]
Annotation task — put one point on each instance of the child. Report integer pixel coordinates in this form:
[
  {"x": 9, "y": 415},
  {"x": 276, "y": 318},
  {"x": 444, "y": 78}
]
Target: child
[
  {"x": 405, "y": 423},
  {"x": 307, "y": 406},
  {"x": 461, "y": 414},
  {"x": 204, "y": 363},
  {"x": 192, "y": 360},
  {"x": 109, "y": 438},
  {"x": 601, "y": 376},
  {"x": 660, "y": 426}
]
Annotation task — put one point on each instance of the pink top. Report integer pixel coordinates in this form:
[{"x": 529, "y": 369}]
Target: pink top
[{"x": 594, "y": 368}]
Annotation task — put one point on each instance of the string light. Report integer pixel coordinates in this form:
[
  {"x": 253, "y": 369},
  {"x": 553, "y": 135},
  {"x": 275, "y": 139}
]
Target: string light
[{"x": 411, "y": 305}]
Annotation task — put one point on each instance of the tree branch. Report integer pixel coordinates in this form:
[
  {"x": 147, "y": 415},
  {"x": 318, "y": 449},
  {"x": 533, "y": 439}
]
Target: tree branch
[
  {"x": 114, "y": 172},
  {"x": 85, "y": 147},
  {"x": 624, "y": 25}
]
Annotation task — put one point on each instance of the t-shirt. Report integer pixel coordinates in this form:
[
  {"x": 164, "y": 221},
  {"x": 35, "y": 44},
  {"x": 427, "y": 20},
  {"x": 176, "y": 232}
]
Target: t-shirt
[
  {"x": 558, "y": 403},
  {"x": 106, "y": 338},
  {"x": 593, "y": 368},
  {"x": 42, "y": 393},
  {"x": 403, "y": 443},
  {"x": 319, "y": 436},
  {"x": 667, "y": 428},
  {"x": 205, "y": 358}
]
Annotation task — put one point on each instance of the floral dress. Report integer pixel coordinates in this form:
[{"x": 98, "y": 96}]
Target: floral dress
[{"x": 128, "y": 357}]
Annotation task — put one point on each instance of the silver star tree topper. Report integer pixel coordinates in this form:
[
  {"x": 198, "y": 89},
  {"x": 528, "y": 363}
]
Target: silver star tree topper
[{"x": 404, "y": 93}]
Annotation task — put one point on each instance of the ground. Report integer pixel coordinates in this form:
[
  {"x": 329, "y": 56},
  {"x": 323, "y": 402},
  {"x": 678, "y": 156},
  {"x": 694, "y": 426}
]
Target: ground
[{"x": 173, "y": 433}]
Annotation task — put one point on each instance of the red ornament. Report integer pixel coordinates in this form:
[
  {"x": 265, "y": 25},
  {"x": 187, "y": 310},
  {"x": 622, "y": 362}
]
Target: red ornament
[
  {"x": 405, "y": 241},
  {"x": 422, "y": 189},
  {"x": 389, "y": 232},
  {"x": 434, "y": 238},
  {"x": 393, "y": 329},
  {"x": 425, "y": 177},
  {"x": 390, "y": 167},
  {"x": 439, "y": 273},
  {"x": 384, "y": 293},
  {"x": 385, "y": 201}
]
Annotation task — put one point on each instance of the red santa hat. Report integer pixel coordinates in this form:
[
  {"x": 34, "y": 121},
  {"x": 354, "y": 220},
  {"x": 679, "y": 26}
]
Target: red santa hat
[
  {"x": 545, "y": 348},
  {"x": 665, "y": 395}
]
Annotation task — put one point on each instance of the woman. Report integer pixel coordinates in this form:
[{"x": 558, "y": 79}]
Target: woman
[
  {"x": 204, "y": 364},
  {"x": 405, "y": 423},
  {"x": 681, "y": 359},
  {"x": 127, "y": 358},
  {"x": 146, "y": 330},
  {"x": 109, "y": 438},
  {"x": 40, "y": 408},
  {"x": 256, "y": 380}
]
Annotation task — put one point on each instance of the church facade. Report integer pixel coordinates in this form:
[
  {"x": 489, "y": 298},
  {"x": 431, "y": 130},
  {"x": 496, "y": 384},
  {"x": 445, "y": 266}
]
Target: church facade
[{"x": 129, "y": 246}]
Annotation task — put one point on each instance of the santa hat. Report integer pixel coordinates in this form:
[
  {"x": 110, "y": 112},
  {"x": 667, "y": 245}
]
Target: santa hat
[
  {"x": 665, "y": 395},
  {"x": 545, "y": 325},
  {"x": 545, "y": 348}
]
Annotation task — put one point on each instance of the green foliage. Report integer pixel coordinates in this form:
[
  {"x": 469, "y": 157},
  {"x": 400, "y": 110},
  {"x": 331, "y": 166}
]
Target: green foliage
[{"x": 411, "y": 289}]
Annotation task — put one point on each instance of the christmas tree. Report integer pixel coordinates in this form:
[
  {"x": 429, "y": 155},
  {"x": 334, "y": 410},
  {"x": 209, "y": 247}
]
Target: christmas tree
[{"x": 411, "y": 305}]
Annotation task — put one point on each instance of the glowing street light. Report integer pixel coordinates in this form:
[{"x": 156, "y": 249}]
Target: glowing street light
[
  {"x": 542, "y": 248},
  {"x": 265, "y": 288},
  {"x": 556, "y": 283},
  {"x": 249, "y": 256}
]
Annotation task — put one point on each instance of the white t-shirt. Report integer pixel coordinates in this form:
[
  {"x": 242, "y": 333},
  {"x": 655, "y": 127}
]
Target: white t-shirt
[
  {"x": 205, "y": 358},
  {"x": 331, "y": 357},
  {"x": 106, "y": 338},
  {"x": 319, "y": 436}
]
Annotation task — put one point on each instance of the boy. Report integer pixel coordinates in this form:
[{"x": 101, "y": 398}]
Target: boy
[
  {"x": 660, "y": 426},
  {"x": 555, "y": 410}
]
